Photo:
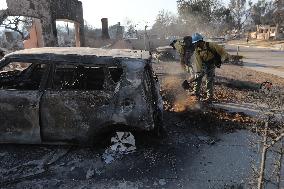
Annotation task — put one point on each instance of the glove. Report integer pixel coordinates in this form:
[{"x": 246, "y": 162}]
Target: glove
[
  {"x": 173, "y": 44},
  {"x": 218, "y": 65}
]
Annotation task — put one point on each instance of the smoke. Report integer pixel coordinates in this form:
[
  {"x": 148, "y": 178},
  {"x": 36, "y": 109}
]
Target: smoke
[
  {"x": 188, "y": 25},
  {"x": 197, "y": 24},
  {"x": 175, "y": 98}
]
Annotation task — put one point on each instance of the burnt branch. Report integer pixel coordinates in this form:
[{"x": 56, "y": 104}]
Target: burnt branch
[{"x": 17, "y": 24}]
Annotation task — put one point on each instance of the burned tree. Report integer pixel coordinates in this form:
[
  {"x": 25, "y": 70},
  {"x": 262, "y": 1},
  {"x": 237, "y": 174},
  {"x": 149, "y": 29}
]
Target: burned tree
[
  {"x": 272, "y": 133},
  {"x": 203, "y": 15},
  {"x": 240, "y": 12},
  {"x": 18, "y": 24}
]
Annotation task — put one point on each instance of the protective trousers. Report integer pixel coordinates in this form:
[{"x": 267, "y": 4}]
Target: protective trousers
[{"x": 208, "y": 70}]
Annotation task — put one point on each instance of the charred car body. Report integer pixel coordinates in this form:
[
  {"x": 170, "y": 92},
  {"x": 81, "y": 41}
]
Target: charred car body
[{"x": 72, "y": 95}]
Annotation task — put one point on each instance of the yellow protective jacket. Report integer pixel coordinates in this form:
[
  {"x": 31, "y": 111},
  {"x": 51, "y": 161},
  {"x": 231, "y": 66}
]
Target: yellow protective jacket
[
  {"x": 202, "y": 55},
  {"x": 180, "y": 47},
  {"x": 185, "y": 54}
]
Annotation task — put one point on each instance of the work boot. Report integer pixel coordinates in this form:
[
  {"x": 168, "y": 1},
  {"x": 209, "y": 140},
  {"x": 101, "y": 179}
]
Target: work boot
[
  {"x": 192, "y": 93},
  {"x": 194, "y": 98}
]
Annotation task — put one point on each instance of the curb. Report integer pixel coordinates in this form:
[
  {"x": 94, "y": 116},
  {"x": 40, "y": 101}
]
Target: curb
[{"x": 259, "y": 47}]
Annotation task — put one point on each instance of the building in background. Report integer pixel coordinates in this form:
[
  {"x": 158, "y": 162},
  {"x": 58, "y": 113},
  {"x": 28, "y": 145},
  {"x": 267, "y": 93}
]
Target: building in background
[{"x": 34, "y": 38}]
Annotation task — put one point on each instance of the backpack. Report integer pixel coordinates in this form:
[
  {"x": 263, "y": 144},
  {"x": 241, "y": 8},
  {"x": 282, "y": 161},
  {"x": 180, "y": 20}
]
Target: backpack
[{"x": 217, "y": 60}]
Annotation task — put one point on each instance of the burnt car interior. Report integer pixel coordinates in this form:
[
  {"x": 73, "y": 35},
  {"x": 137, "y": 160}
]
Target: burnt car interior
[
  {"x": 81, "y": 77},
  {"x": 116, "y": 73},
  {"x": 21, "y": 76}
]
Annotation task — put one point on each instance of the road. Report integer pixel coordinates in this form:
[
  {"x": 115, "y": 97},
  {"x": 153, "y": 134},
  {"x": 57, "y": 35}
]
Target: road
[
  {"x": 187, "y": 158},
  {"x": 261, "y": 59}
]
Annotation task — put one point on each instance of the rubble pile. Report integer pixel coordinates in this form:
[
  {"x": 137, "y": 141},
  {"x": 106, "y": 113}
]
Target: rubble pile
[
  {"x": 122, "y": 44},
  {"x": 165, "y": 54}
]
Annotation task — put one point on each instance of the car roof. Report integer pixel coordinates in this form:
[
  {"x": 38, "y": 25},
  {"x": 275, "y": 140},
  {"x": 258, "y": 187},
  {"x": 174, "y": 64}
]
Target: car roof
[
  {"x": 82, "y": 51},
  {"x": 83, "y": 55}
]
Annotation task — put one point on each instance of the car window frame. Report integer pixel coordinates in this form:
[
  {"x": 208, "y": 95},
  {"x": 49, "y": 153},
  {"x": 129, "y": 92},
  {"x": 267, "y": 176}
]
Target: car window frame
[
  {"x": 149, "y": 75},
  {"x": 53, "y": 69},
  {"x": 4, "y": 62}
]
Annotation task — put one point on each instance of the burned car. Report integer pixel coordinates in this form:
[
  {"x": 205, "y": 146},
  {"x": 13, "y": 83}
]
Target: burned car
[{"x": 72, "y": 95}]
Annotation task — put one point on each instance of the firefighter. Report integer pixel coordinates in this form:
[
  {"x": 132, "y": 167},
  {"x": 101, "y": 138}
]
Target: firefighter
[
  {"x": 185, "y": 49},
  {"x": 207, "y": 56}
]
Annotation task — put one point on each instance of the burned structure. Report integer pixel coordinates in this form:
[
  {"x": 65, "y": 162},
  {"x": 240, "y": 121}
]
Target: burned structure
[
  {"x": 267, "y": 32},
  {"x": 48, "y": 11},
  {"x": 119, "y": 32},
  {"x": 264, "y": 32},
  {"x": 105, "y": 33}
]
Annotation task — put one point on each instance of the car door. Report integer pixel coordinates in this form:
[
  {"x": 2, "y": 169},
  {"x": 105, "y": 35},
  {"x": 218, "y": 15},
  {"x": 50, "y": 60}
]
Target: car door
[
  {"x": 19, "y": 102},
  {"x": 77, "y": 105}
]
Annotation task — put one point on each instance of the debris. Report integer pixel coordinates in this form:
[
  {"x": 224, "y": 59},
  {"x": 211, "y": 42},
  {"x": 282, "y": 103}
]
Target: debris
[
  {"x": 213, "y": 141},
  {"x": 122, "y": 44},
  {"x": 162, "y": 182},
  {"x": 203, "y": 138},
  {"x": 166, "y": 53},
  {"x": 3, "y": 154},
  {"x": 56, "y": 155},
  {"x": 33, "y": 168},
  {"x": 98, "y": 172},
  {"x": 90, "y": 174},
  {"x": 266, "y": 87},
  {"x": 128, "y": 185},
  {"x": 108, "y": 156}
]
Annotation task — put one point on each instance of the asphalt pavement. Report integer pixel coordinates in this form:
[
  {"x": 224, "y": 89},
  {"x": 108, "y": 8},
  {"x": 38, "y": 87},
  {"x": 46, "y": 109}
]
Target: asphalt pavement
[{"x": 261, "y": 59}]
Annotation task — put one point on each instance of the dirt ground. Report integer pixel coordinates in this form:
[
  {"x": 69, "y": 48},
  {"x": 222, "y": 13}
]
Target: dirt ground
[
  {"x": 190, "y": 154},
  {"x": 233, "y": 84}
]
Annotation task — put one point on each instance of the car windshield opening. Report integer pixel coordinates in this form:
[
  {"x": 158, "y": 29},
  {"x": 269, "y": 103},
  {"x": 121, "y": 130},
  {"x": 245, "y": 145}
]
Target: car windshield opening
[{"x": 21, "y": 76}]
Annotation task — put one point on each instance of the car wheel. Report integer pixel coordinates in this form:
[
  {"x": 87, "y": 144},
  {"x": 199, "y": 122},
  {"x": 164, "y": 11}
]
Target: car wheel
[{"x": 123, "y": 141}]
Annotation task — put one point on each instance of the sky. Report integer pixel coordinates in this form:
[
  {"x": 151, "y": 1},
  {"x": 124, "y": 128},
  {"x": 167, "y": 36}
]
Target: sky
[{"x": 141, "y": 12}]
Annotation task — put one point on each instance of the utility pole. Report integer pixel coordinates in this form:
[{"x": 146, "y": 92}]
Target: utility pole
[{"x": 145, "y": 37}]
